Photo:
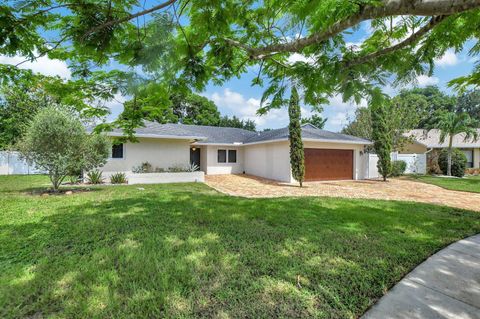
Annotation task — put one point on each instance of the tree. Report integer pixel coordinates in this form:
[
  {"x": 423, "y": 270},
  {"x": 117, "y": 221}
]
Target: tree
[
  {"x": 469, "y": 102},
  {"x": 316, "y": 120},
  {"x": 451, "y": 124},
  {"x": 27, "y": 93},
  {"x": 214, "y": 41},
  {"x": 297, "y": 155},
  {"x": 234, "y": 121},
  {"x": 382, "y": 139},
  {"x": 404, "y": 113},
  {"x": 57, "y": 142},
  {"x": 426, "y": 102},
  {"x": 194, "y": 109},
  {"x": 361, "y": 125}
]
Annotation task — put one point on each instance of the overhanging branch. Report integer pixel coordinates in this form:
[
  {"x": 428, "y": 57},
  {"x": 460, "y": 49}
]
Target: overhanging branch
[
  {"x": 410, "y": 40},
  {"x": 390, "y": 8},
  {"x": 129, "y": 17}
]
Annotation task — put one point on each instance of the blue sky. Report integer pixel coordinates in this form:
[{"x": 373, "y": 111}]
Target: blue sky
[{"x": 238, "y": 97}]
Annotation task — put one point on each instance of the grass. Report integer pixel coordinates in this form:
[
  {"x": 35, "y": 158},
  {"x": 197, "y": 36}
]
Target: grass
[
  {"x": 465, "y": 184},
  {"x": 184, "y": 250}
]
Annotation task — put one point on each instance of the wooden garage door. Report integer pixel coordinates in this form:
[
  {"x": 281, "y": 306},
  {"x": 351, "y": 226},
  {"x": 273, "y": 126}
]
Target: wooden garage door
[{"x": 327, "y": 164}]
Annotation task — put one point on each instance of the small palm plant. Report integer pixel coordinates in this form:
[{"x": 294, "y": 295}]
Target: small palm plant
[
  {"x": 95, "y": 177},
  {"x": 451, "y": 124}
]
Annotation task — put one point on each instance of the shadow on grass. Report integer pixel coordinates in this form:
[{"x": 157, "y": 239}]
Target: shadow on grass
[{"x": 186, "y": 251}]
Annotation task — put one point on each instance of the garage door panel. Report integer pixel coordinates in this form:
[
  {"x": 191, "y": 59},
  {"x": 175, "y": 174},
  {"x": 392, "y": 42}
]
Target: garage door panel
[{"x": 328, "y": 164}]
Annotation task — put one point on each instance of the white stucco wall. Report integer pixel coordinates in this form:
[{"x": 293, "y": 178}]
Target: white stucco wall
[
  {"x": 268, "y": 160},
  {"x": 476, "y": 157},
  {"x": 161, "y": 153},
  {"x": 209, "y": 161}
]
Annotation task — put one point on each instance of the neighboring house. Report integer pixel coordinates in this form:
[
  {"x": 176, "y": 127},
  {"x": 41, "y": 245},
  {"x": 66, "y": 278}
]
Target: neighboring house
[
  {"x": 223, "y": 150},
  {"x": 424, "y": 141}
]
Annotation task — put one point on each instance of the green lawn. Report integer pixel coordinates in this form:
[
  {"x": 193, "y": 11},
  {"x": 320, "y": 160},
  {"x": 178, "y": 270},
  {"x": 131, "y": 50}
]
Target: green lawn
[
  {"x": 466, "y": 184},
  {"x": 184, "y": 250}
]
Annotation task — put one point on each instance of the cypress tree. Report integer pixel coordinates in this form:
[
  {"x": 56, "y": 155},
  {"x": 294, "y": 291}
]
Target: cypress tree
[
  {"x": 297, "y": 156},
  {"x": 382, "y": 141}
]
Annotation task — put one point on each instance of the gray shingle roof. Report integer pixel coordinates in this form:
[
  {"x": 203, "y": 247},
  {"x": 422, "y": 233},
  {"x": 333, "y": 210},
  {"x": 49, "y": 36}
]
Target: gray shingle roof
[
  {"x": 229, "y": 135},
  {"x": 308, "y": 132},
  {"x": 431, "y": 139}
]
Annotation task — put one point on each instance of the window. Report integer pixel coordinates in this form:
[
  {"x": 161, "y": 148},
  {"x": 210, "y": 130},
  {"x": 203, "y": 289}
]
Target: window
[
  {"x": 117, "y": 151},
  {"x": 221, "y": 156},
  {"x": 232, "y": 156},
  {"x": 469, "y": 155}
]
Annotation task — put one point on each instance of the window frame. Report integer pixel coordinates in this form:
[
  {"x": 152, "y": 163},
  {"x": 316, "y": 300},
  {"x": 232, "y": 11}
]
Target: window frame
[
  {"x": 123, "y": 152},
  {"x": 228, "y": 157},
  {"x": 218, "y": 156},
  {"x": 472, "y": 155}
]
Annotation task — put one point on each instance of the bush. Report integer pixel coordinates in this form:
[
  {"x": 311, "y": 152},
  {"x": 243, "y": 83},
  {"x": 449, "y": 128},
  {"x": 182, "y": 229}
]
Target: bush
[
  {"x": 398, "y": 168},
  {"x": 118, "y": 178},
  {"x": 177, "y": 169},
  {"x": 192, "y": 167},
  {"x": 95, "y": 177},
  {"x": 145, "y": 167},
  {"x": 73, "y": 179},
  {"x": 459, "y": 162}
]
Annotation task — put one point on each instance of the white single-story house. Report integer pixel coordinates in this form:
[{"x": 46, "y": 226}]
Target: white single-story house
[
  {"x": 224, "y": 150},
  {"x": 424, "y": 141}
]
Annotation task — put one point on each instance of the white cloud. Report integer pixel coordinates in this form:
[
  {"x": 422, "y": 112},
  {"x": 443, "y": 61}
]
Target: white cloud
[
  {"x": 42, "y": 65},
  {"x": 337, "y": 102},
  {"x": 424, "y": 80},
  {"x": 339, "y": 119},
  {"x": 234, "y": 103},
  {"x": 296, "y": 57},
  {"x": 448, "y": 59},
  {"x": 338, "y": 112}
]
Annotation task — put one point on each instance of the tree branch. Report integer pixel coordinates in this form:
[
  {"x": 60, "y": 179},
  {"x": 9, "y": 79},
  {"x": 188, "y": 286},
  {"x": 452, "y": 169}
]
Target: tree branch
[
  {"x": 129, "y": 17},
  {"x": 410, "y": 40},
  {"x": 57, "y": 44},
  {"x": 390, "y": 8}
]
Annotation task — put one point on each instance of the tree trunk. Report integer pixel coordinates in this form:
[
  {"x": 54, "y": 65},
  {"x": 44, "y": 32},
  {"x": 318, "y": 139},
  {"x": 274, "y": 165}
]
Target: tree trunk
[{"x": 449, "y": 157}]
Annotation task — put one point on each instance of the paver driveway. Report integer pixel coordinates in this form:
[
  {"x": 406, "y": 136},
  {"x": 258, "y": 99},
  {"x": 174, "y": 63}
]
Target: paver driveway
[{"x": 393, "y": 189}]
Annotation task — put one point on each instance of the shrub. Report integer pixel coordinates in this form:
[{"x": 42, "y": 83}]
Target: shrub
[
  {"x": 145, "y": 167},
  {"x": 177, "y": 169},
  {"x": 192, "y": 167},
  {"x": 118, "y": 178},
  {"x": 56, "y": 141},
  {"x": 459, "y": 162},
  {"x": 73, "y": 179},
  {"x": 95, "y": 177},
  {"x": 398, "y": 168}
]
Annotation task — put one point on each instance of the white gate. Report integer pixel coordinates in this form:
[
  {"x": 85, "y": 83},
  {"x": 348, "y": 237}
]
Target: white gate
[
  {"x": 416, "y": 163},
  {"x": 11, "y": 163}
]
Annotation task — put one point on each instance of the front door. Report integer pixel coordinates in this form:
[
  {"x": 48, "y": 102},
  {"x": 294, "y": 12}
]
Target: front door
[{"x": 195, "y": 157}]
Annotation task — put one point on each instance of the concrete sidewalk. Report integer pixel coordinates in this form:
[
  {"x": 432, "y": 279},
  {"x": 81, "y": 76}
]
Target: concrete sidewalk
[{"x": 446, "y": 285}]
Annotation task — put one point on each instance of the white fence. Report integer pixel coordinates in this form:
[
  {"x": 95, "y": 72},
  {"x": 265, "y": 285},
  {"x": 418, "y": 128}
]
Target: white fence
[
  {"x": 416, "y": 163},
  {"x": 11, "y": 163}
]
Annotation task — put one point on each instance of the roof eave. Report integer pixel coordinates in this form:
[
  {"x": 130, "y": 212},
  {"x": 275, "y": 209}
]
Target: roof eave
[
  {"x": 159, "y": 136},
  {"x": 314, "y": 140}
]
